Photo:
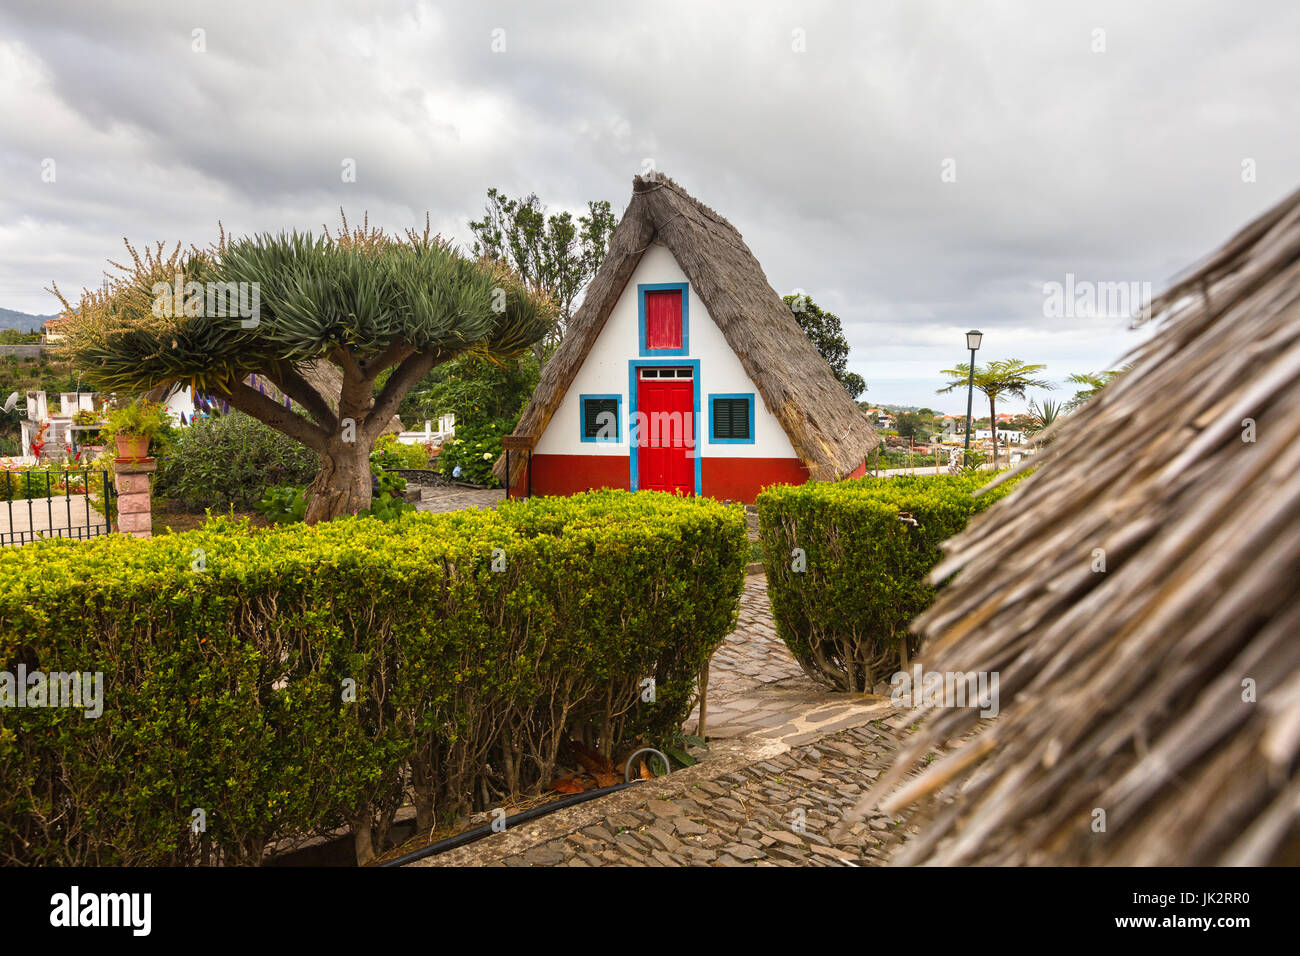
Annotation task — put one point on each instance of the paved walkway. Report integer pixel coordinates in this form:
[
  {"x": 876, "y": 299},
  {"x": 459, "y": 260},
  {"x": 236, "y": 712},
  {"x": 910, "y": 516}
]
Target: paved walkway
[
  {"x": 749, "y": 804},
  {"x": 72, "y": 516},
  {"x": 441, "y": 498},
  {"x": 786, "y": 758},
  {"x": 757, "y": 688}
]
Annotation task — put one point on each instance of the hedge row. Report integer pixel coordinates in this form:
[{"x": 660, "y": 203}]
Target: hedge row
[
  {"x": 289, "y": 681},
  {"x": 846, "y": 566}
]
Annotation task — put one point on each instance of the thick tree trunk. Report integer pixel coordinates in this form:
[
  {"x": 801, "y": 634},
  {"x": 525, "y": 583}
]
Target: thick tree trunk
[
  {"x": 362, "y": 838},
  {"x": 343, "y": 485},
  {"x": 343, "y": 431}
]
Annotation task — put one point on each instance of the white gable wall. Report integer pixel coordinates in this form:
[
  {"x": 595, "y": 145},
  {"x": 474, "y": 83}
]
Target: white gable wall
[{"x": 605, "y": 372}]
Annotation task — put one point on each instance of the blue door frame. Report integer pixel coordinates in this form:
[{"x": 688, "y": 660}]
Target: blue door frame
[{"x": 632, "y": 366}]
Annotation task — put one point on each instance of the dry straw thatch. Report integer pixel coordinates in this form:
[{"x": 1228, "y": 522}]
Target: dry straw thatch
[
  {"x": 1123, "y": 690},
  {"x": 829, "y": 433}
]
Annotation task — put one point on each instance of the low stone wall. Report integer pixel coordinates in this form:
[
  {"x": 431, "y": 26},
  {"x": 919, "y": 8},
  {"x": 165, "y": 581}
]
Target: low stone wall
[{"x": 29, "y": 351}]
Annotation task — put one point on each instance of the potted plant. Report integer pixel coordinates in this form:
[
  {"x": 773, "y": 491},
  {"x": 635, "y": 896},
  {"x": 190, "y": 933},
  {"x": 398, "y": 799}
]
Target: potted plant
[{"x": 133, "y": 426}]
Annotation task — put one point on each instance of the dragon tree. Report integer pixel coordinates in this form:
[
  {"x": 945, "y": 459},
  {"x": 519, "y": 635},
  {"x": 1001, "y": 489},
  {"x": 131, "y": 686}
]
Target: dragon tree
[{"x": 343, "y": 325}]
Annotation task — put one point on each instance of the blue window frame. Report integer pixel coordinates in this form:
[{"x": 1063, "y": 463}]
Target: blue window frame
[
  {"x": 632, "y": 460},
  {"x": 731, "y": 418},
  {"x": 591, "y": 426},
  {"x": 682, "y": 287}
]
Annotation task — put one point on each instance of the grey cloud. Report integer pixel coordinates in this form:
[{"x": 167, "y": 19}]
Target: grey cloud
[{"x": 1122, "y": 165}]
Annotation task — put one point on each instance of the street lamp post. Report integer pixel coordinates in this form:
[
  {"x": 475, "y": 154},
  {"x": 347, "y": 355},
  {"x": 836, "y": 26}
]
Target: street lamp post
[{"x": 973, "y": 339}]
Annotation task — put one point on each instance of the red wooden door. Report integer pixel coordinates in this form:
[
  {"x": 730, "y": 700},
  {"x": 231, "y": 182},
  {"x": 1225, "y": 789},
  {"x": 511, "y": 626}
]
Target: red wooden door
[{"x": 666, "y": 434}]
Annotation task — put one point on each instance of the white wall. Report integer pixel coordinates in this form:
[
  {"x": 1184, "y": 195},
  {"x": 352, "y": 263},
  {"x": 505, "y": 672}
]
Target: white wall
[
  {"x": 605, "y": 372},
  {"x": 181, "y": 403}
]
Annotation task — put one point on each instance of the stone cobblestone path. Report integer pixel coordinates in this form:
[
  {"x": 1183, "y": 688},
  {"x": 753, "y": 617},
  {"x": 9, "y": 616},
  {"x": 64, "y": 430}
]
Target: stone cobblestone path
[
  {"x": 442, "y": 498},
  {"x": 786, "y": 758},
  {"x": 751, "y": 657},
  {"x": 778, "y": 809},
  {"x": 757, "y": 688}
]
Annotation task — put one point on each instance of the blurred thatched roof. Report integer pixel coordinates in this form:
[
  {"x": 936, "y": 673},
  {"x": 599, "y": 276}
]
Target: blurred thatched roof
[
  {"x": 826, "y": 428},
  {"x": 1122, "y": 690}
]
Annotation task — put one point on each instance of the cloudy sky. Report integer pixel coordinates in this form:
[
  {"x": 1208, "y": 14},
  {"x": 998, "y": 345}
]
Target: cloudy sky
[{"x": 919, "y": 168}]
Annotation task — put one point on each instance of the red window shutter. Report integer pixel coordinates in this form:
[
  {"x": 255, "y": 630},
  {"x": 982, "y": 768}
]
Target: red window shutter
[{"x": 663, "y": 319}]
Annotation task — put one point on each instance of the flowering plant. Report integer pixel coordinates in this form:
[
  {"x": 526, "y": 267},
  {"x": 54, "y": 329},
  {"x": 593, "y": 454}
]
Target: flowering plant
[
  {"x": 474, "y": 451},
  {"x": 38, "y": 440}
]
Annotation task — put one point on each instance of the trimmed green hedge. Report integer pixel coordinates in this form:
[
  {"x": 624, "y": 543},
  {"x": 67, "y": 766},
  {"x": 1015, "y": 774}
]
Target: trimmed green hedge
[
  {"x": 845, "y": 617},
  {"x": 477, "y": 642}
]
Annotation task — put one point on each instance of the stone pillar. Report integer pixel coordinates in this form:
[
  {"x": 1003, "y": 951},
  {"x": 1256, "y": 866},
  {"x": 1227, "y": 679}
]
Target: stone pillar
[{"x": 134, "y": 509}]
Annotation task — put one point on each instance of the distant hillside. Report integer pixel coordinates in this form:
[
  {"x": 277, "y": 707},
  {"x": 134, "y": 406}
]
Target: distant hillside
[
  {"x": 892, "y": 409},
  {"x": 22, "y": 321}
]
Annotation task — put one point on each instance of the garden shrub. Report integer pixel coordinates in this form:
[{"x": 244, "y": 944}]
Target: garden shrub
[
  {"x": 228, "y": 461},
  {"x": 867, "y": 546},
  {"x": 474, "y": 451},
  {"x": 285, "y": 504},
  {"x": 397, "y": 454},
  {"x": 288, "y": 681}
]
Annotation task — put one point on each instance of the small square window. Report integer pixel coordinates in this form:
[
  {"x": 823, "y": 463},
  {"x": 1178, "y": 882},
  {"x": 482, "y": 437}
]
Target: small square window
[
  {"x": 600, "y": 414},
  {"x": 731, "y": 418}
]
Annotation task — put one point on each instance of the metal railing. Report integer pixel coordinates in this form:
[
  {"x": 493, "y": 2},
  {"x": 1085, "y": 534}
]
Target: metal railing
[{"x": 54, "y": 503}]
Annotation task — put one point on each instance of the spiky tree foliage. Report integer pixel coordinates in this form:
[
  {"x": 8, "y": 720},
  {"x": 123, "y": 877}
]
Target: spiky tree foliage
[
  {"x": 1090, "y": 384},
  {"x": 1045, "y": 414},
  {"x": 1005, "y": 377},
  {"x": 382, "y": 309}
]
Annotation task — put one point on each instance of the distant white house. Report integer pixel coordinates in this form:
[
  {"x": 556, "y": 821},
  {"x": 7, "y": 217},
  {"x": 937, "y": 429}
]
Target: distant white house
[
  {"x": 433, "y": 434},
  {"x": 1011, "y": 435}
]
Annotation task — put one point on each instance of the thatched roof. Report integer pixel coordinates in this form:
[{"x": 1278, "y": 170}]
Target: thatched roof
[
  {"x": 826, "y": 428},
  {"x": 1123, "y": 689}
]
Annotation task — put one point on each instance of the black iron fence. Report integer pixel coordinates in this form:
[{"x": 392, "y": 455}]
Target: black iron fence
[{"x": 54, "y": 503}]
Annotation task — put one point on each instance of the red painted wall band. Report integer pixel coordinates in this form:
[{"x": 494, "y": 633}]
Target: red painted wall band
[{"x": 739, "y": 479}]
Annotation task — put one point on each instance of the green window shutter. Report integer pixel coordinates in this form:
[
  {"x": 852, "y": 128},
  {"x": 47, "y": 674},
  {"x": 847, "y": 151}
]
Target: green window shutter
[
  {"x": 731, "y": 419},
  {"x": 600, "y": 418}
]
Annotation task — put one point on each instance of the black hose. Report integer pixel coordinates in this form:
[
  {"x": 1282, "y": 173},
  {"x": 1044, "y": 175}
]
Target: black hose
[{"x": 478, "y": 833}]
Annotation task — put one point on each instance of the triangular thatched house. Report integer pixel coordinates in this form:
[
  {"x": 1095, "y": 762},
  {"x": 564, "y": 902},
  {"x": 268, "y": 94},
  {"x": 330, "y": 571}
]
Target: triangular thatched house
[
  {"x": 684, "y": 371},
  {"x": 1139, "y": 596}
]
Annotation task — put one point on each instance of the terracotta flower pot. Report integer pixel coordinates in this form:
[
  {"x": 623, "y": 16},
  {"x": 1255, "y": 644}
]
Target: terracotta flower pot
[{"x": 131, "y": 446}]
